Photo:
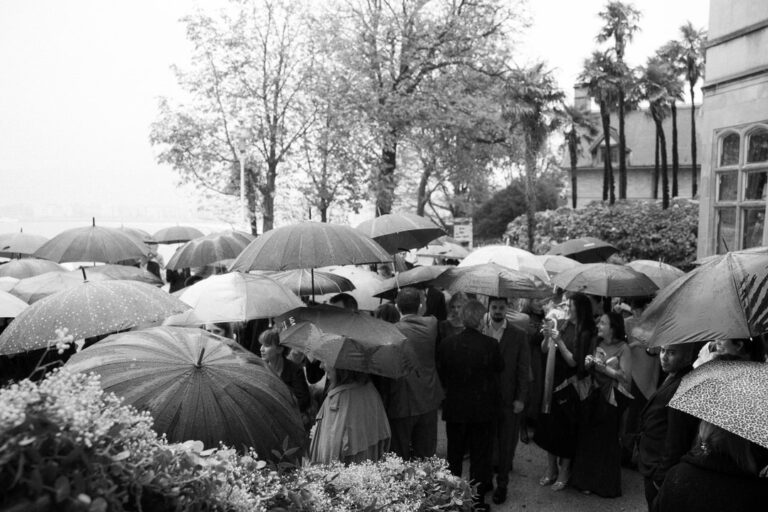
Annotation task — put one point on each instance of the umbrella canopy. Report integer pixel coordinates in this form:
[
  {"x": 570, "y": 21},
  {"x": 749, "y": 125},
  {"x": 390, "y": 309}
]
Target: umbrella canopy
[
  {"x": 309, "y": 245},
  {"x": 660, "y": 273},
  {"x": 416, "y": 276},
  {"x": 507, "y": 256},
  {"x": 209, "y": 249},
  {"x": 125, "y": 272},
  {"x": 391, "y": 359},
  {"x": 11, "y": 306},
  {"x": 139, "y": 234},
  {"x": 367, "y": 284},
  {"x": 7, "y": 283},
  {"x": 445, "y": 250},
  {"x": 726, "y": 298},
  {"x": 492, "y": 280},
  {"x": 13, "y": 245},
  {"x": 398, "y": 232},
  {"x": 352, "y": 324},
  {"x": 234, "y": 297},
  {"x": 32, "y": 289},
  {"x": 606, "y": 280},
  {"x": 305, "y": 282},
  {"x": 176, "y": 235},
  {"x": 554, "y": 264},
  {"x": 92, "y": 243},
  {"x": 584, "y": 250},
  {"x": 87, "y": 310},
  {"x": 730, "y": 394},
  {"x": 28, "y": 267},
  {"x": 197, "y": 386}
]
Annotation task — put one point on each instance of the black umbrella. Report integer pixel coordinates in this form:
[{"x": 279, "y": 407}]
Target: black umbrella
[{"x": 585, "y": 250}]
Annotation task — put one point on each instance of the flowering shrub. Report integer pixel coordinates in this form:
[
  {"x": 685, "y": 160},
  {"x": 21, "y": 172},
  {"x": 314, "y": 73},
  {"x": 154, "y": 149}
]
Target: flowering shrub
[{"x": 66, "y": 445}]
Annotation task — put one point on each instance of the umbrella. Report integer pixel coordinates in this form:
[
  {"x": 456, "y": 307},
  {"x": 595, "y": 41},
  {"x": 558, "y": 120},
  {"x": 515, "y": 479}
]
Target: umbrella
[
  {"x": 730, "y": 394},
  {"x": 726, "y": 298},
  {"x": 87, "y": 310},
  {"x": 352, "y": 324},
  {"x": 605, "y": 280},
  {"x": 7, "y": 283},
  {"x": 309, "y": 245},
  {"x": 197, "y": 386},
  {"x": 11, "y": 306},
  {"x": 398, "y": 232},
  {"x": 391, "y": 359},
  {"x": 585, "y": 250},
  {"x": 209, "y": 249},
  {"x": 507, "y": 256},
  {"x": 304, "y": 282},
  {"x": 367, "y": 284},
  {"x": 176, "y": 235},
  {"x": 554, "y": 264},
  {"x": 416, "y": 276},
  {"x": 92, "y": 243},
  {"x": 28, "y": 267},
  {"x": 444, "y": 250},
  {"x": 492, "y": 280},
  {"x": 32, "y": 289},
  {"x": 17, "y": 244},
  {"x": 139, "y": 234},
  {"x": 125, "y": 272},
  {"x": 660, "y": 273},
  {"x": 234, "y": 297}
]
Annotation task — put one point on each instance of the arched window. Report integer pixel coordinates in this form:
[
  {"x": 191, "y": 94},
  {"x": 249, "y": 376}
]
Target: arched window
[
  {"x": 729, "y": 150},
  {"x": 758, "y": 146}
]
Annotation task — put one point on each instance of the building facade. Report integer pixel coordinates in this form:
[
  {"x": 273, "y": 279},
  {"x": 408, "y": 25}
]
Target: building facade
[{"x": 734, "y": 149}]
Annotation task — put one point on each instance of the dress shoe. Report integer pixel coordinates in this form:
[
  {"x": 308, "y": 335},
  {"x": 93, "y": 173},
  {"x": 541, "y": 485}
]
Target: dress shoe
[{"x": 500, "y": 495}]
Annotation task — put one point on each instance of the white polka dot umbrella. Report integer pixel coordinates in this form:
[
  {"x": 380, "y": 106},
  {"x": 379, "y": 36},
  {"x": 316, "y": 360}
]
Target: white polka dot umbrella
[
  {"x": 87, "y": 310},
  {"x": 730, "y": 394},
  {"x": 197, "y": 386}
]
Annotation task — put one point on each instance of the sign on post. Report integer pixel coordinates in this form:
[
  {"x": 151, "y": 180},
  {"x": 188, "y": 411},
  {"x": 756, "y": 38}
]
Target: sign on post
[{"x": 462, "y": 231}]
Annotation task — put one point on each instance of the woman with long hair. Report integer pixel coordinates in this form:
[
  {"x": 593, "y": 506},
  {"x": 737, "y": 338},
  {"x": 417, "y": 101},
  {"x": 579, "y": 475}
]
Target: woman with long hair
[
  {"x": 597, "y": 462},
  {"x": 569, "y": 343}
]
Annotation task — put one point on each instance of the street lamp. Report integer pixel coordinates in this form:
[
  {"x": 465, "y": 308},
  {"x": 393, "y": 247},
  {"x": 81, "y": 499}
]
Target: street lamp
[{"x": 241, "y": 144}]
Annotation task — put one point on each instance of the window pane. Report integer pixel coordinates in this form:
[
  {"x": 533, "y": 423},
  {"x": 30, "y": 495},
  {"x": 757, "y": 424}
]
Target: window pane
[
  {"x": 726, "y": 230},
  {"x": 730, "y": 151},
  {"x": 755, "y": 185},
  {"x": 758, "y": 147},
  {"x": 752, "y": 220},
  {"x": 726, "y": 186}
]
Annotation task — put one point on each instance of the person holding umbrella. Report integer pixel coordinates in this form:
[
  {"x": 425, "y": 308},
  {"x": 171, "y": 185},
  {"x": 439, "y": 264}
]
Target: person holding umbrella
[{"x": 289, "y": 372}]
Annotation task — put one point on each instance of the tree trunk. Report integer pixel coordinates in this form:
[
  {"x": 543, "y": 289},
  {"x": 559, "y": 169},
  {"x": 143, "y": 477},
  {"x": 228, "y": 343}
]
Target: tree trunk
[
  {"x": 421, "y": 193},
  {"x": 675, "y": 160},
  {"x": 694, "y": 185},
  {"x": 251, "y": 201},
  {"x": 655, "y": 178},
  {"x": 574, "y": 161},
  {"x": 622, "y": 150},
  {"x": 323, "y": 213},
  {"x": 664, "y": 168},
  {"x": 607, "y": 168},
  {"x": 530, "y": 192},
  {"x": 385, "y": 181},
  {"x": 268, "y": 196}
]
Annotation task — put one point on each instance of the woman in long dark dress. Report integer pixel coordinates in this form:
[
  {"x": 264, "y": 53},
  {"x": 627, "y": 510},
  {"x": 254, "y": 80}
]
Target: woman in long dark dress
[
  {"x": 597, "y": 462},
  {"x": 557, "y": 429}
]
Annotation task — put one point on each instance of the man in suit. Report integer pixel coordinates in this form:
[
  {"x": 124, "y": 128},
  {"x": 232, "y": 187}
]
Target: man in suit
[
  {"x": 666, "y": 434},
  {"x": 412, "y": 401},
  {"x": 513, "y": 383},
  {"x": 469, "y": 364}
]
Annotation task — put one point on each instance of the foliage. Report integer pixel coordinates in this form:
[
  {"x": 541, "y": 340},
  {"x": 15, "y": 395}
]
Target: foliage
[
  {"x": 66, "y": 445},
  {"x": 639, "y": 229}
]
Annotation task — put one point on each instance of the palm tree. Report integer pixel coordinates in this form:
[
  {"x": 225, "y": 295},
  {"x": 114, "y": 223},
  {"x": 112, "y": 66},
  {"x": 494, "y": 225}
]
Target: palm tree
[
  {"x": 693, "y": 59},
  {"x": 600, "y": 78},
  {"x": 578, "y": 127},
  {"x": 620, "y": 24},
  {"x": 532, "y": 109},
  {"x": 670, "y": 53}
]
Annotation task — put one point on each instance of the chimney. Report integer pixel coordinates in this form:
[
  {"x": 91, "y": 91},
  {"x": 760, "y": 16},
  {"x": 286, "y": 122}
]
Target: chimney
[{"x": 581, "y": 99}]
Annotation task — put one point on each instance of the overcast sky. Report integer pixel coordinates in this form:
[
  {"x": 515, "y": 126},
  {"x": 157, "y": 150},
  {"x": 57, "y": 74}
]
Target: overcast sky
[{"x": 79, "y": 83}]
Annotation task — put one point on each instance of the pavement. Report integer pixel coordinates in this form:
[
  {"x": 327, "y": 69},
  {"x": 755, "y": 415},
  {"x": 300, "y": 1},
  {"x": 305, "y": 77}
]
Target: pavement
[{"x": 525, "y": 493}]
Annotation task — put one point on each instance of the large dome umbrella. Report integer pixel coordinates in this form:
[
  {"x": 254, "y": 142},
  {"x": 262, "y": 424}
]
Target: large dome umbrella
[
  {"x": 209, "y": 249},
  {"x": 11, "y": 306},
  {"x": 304, "y": 282},
  {"x": 606, "y": 280},
  {"x": 92, "y": 243},
  {"x": 176, "y": 235},
  {"x": 730, "y": 394},
  {"x": 14, "y": 245},
  {"x": 660, "y": 273},
  {"x": 554, "y": 264},
  {"x": 367, "y": 284},
  {"x": 87, "y": 310},
  {"x": 28, "y": 267},
  {"x": 197, "y": 386},
  {"x": 234, "y": 297},
  {"x": 507, "y": 256},
  {"x": 397, "y": 232},
  {"x": 417, "y": 276},
  {"x": 492, "y": 280},
  {"x": 584, "y": 250},
  {"x": 32, "y": 289},
  {"x": 726, "y": 298}
]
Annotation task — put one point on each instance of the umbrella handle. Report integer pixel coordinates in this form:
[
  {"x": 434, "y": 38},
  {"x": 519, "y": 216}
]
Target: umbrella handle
[
  {"x": 85, "y": 278},
  {"x": 199, "y": 363}
]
